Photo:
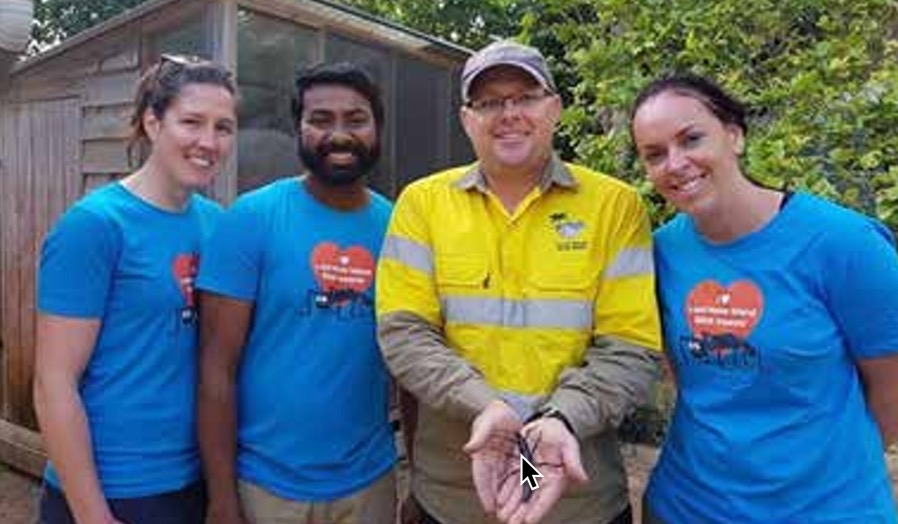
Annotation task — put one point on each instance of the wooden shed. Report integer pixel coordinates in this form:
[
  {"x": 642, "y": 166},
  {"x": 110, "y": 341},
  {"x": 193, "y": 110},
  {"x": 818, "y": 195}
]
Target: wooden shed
[{"x": 63, "y": 130}]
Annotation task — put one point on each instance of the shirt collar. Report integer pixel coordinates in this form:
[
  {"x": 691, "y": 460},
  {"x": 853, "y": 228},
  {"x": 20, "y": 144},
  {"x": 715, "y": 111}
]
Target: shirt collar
[{"x": 556, "y": 173}]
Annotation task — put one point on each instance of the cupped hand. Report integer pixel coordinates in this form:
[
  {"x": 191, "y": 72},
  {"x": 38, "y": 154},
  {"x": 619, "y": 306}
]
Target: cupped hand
[
  {"x": 494, "y": 453},
  {"x": 556, "y": 454}
]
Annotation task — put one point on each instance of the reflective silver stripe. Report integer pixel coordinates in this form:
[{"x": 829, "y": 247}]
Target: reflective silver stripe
[
  {"x": 522, "y": 404},
  {"x": 631, "y": 262},
  {"x": 533, "y": 313},
  {"x": 408, "y": 252}
]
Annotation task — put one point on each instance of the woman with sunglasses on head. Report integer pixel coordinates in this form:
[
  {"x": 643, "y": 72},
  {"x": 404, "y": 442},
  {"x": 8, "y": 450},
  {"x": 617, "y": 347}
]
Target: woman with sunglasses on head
[
  {"x": 780, "y": 314},
  {"x": 115, "y": 370}
]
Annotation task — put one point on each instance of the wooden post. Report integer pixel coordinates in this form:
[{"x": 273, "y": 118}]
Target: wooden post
[{"x": 221, "y": 17}]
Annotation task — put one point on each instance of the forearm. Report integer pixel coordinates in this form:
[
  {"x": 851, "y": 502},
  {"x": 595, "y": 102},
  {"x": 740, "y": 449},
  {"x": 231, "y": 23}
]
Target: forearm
[
  {"x": 419, "y": 358},
  {"x": 885, "y": 410},
  {"x": 217, "y": 432},
  {"x": 614, "y": 379},
  {"x": 66, "y": 434},
  {"x": 881, "y": 391},
  {"x": 224, "y": 326}
]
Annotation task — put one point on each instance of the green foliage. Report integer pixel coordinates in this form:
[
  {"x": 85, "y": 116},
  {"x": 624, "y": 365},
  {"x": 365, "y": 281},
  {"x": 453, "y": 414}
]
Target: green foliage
[
  {"x": 59, "y": 19},
  {"x": 821, "y": 76},
  {"x": 470, "y": 23}
]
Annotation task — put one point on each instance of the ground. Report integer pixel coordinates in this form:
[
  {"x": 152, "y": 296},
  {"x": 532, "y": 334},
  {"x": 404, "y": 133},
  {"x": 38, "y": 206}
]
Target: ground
[{"x": 18, "y": 493}]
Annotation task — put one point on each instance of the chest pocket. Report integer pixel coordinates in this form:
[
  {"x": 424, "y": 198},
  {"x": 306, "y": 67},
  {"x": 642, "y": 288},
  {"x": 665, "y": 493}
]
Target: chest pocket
[
  {"x": 563, "y": 260},
  {"x": 572, "y": 274},
  {"x": 461, "y": 271}
]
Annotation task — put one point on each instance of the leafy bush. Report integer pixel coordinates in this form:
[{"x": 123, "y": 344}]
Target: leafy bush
[{"x": 820, "y": 75}]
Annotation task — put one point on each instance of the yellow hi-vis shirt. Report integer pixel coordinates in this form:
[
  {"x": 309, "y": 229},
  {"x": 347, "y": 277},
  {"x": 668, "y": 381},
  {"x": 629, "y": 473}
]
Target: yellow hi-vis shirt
[{"x": 521, "y": 295}]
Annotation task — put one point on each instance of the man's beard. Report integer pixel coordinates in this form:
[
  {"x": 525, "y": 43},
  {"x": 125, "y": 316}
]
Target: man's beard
[{"x": 316, "y": 162}]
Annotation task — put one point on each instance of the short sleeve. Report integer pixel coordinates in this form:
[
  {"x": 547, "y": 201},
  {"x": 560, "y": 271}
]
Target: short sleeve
[
  {"x": 231, "y": 261},
  {"x": 861, "y": 283},
  {"x": 77, "y": 265},
  {"x": 405, "y": 273},
  {"x": 625, "y": 306},
  {"x": 209, "y": 214}
]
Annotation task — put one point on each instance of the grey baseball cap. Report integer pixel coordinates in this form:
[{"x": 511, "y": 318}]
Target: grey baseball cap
[{"x": 506, "y": 52}]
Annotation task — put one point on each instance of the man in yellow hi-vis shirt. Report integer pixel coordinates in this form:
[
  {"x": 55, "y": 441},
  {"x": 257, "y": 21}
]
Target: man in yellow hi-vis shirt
[{"x": 515, "y": 296}]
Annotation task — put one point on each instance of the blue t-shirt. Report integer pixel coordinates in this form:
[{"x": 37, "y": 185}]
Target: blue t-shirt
[
  {"x": 312, "y": 387},
  {"x": 115, "y": 257},
  {"x": 771, "y": 424}
]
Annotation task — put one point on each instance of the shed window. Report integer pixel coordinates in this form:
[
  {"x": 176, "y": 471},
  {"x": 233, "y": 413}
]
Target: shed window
[
  {"x": 269, "y": 52},
  {"x": 421, "y": 129}
]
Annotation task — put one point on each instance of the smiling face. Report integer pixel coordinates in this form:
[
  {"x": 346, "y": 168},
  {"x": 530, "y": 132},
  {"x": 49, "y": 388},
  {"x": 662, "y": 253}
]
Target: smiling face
[
  {"x": 338, "y": 134},
  {"x": 519, "y": 136},
  {"x": 194, "y": 136},
  {"x": 689, "y": 154}
]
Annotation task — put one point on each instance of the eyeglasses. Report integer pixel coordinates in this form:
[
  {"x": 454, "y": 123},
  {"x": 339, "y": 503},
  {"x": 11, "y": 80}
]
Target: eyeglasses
[{"x": 494, "y": 106}]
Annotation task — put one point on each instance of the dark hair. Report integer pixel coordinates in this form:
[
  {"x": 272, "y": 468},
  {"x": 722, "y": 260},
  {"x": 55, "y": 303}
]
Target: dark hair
[
  {"x": 727, "y": 108},
  {"x": 343, "y": 74},
  {"x": 163, "y": 82},
  {"x": 724, "y": 106}
]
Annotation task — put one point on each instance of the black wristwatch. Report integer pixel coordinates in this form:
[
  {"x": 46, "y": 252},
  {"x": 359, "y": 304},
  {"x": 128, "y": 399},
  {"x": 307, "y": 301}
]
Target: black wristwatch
[{"x": 550, "y": 411}]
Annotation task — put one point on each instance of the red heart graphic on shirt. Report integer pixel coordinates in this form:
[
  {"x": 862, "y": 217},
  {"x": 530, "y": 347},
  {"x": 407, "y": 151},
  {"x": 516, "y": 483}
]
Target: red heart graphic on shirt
[
  {"x": 342, "y": 269},
  {"x": 714, "y": 309},
  {"x": 184, "y": 270}
]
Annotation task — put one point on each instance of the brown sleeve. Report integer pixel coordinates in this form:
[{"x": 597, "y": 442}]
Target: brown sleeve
[
  {"x": 615, "y": 378},
  {"x": 423, "y": 363}
]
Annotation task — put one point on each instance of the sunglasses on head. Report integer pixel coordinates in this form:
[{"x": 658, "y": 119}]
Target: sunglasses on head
[
  {"x": 183, "y": 60},
  {"x": 171, "y": 64}
]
